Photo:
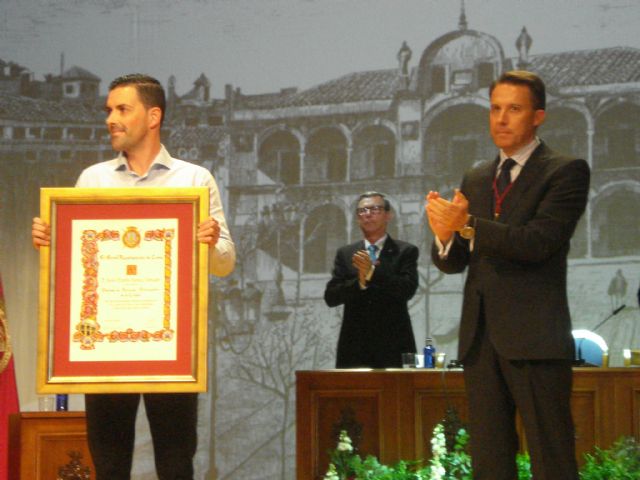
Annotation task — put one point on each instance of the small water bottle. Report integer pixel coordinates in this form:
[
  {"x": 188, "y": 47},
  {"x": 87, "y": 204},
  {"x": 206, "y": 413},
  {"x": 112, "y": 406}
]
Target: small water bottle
[
  {"x": 429, "y": 353},
  {"x": 62, "y": 402}
]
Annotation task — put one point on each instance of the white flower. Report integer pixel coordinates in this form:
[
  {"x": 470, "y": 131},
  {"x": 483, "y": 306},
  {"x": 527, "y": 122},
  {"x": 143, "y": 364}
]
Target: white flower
[
  {"x": 331, "y": 473},
  {"x": 437, "y": 472},
  {"x": 344, "y": 443},
  {"x": 438, "y": 441},
  {"x": 439, "y": 449}
]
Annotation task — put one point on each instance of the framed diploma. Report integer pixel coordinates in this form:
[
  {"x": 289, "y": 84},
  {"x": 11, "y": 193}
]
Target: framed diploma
[{"x": 123, "y": 291}]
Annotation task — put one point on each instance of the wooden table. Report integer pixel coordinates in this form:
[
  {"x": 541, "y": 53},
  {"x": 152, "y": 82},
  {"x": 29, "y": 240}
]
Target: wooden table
[
  {"x": 391, "y": 413},
  {"x": 41, "y": 442}
]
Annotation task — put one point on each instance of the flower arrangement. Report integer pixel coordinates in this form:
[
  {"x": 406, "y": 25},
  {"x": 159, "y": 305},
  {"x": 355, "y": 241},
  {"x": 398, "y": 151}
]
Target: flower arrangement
[
  {"x": 451, "y": 461},
  {"x": 455, "y": 464},
  {"x": 444, "y": 465},
  {"x": 620, "y": 462},
  {"x": 347, "y": 465}
]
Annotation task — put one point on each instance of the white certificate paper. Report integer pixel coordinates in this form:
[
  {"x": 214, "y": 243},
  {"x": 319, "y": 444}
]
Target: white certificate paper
[{"x": 123, "y": 290}]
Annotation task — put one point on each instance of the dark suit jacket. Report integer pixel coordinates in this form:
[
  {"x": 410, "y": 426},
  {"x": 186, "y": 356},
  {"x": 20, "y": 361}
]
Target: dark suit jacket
[
  {"x": 518, "y": 267},
  {"x": 376, "y": 328}
]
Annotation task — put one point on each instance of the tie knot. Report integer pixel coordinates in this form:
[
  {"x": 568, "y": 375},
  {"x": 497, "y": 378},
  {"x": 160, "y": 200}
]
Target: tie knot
[
  {"x": 373, "y": 249},
  {"x": 507, "y": 165},
  {"x": 504, "y": 177}
]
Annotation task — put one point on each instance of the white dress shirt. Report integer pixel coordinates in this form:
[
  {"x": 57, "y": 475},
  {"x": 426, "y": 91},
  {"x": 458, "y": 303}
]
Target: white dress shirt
[{"x": 166, "y": 171}]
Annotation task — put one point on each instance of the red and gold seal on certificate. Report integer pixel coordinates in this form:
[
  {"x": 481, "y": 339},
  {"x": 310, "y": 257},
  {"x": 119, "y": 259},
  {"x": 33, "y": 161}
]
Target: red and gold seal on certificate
[{"x": 131, "y": 237}]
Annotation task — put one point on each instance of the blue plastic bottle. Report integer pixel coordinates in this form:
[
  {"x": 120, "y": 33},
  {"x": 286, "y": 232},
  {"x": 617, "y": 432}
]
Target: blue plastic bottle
[
  {"x": 429, "y": 353},
  {"x": 62, "y": 402}
]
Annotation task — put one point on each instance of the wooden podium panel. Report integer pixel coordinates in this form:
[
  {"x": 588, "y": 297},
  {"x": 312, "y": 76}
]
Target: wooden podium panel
[
  {"x": 391, "y": 413},
  {"x": 41, "y": 442},
  {"x": 434, "y": 393}
]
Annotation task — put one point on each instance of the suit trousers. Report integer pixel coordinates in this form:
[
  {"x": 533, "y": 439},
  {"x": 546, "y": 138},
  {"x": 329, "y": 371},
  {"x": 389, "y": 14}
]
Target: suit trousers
[
  {"x": 111, "y": 422},
  {"x": 540, "y": 390}
]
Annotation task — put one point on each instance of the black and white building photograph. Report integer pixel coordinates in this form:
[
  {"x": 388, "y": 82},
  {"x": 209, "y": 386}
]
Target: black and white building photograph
[{"x": 297, "y": 107}]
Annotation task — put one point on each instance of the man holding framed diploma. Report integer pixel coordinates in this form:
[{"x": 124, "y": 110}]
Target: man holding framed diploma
[{"x": 135, "y": 110}]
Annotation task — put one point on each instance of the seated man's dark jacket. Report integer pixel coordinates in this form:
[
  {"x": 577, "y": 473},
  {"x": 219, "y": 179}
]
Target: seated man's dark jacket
[{"x": 376, "y": 328}]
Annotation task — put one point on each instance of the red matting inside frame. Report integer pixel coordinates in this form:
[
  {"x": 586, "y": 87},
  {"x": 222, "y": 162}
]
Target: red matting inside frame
[{"x": 65, "y": 214}]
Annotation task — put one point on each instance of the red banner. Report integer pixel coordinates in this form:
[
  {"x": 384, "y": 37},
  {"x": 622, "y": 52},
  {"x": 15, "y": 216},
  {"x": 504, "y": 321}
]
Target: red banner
[{"x": 8, "y": 390}]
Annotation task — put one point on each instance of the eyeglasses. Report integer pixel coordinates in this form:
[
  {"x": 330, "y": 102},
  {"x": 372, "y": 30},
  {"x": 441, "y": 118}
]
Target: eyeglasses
[{"x": 374, "y": 209}]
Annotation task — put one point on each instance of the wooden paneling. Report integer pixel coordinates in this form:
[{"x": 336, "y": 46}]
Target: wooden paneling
[
  {"x": 359, "y": 405},
  {"x": 344, "y": 408},
  {"x": 40, "y": 443},
  {"x": 435, "y": 394},
  {"x": 391, "y": 413},
  {"x": 635, "y": 412}
]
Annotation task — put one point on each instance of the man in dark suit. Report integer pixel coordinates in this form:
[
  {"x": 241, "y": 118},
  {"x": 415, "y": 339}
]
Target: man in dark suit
[
  {"x": 374, "y": 279},
  {"x": 510, "y": 223}
]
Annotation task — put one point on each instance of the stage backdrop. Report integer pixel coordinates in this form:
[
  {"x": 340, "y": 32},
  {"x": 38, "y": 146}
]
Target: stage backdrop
[{"x": 297, "y": 106}]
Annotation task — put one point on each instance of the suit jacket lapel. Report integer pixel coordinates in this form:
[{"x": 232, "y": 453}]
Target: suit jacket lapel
[
  {"x": 484, "y": 195},
  {"x": 389, "y": 249}
]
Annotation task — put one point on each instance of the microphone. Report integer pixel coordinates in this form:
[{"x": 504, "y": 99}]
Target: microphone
[
  {"x": 615, "y": 312},
  {"x": 618, "y": 310}
]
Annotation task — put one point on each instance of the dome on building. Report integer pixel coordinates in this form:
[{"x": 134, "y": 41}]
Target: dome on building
[{"x": 461, "y": 60}]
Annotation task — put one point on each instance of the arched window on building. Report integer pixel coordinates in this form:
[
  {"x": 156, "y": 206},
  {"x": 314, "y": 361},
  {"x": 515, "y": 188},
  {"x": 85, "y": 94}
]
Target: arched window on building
[
  {"x": 374, "y": 153},
  {"x": 617, "y": 138},
  {"x": 438, "y": 79},
  {"x": 565, "y": 130},
  {"x": 579, "y": 241},
  {"x": 325, "y": 230},
  {"x": 486, "y": 74},
  {"x": 279, "y": 158},
  {"x": 326, "y": 157},
  {"x": 615, "y": 225},
  {"x": 279, "y": 233},
  {"x": 456, "y": 139}
]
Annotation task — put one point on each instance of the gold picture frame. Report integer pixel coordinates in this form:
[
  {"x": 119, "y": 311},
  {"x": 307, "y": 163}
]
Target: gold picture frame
[{"x": 123, "y": 291}]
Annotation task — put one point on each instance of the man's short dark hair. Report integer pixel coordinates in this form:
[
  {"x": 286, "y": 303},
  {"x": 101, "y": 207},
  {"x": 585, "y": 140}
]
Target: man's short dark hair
[
  {"x": 528, "y": 79},
  {"x": 387, "y": 205},
  {"x": 149, "y": 89}
]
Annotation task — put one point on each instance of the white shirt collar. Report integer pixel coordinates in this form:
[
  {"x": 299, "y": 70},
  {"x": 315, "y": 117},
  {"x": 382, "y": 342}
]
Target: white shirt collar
[
  {"x": 522, "y": 155},
  {"x": 379, "y": 243},
  {"x": 162, "y": 160}
]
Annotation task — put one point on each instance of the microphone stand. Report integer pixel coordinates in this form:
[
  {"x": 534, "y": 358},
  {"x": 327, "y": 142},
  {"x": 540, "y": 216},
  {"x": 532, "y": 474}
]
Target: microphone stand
[
  {"x": 615, "y": 312},
  {"x": 580, "y": 362}
]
